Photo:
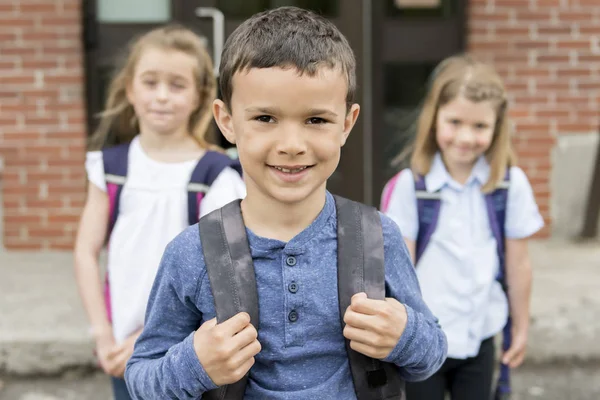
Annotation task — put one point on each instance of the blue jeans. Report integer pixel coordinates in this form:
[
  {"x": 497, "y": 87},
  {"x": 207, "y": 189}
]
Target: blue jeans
[{"x": 120, "y": 389}]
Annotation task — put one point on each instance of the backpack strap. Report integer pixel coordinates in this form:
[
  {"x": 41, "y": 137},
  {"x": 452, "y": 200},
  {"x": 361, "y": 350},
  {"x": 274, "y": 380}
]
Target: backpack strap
[
  {"x": 204, "y": 174},
  {"x": 428, "y": 211},
  {"x": 388, "y": 189},
  {"x": 496, "y": 203},
  {"x": 361, "y": 269},
  {"x": 231, "y": 274},
  {"x": 115, "y": 160}
]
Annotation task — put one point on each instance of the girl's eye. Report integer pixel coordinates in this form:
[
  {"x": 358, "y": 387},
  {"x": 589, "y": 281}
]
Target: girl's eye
[
  {"x": 178, "y": 85},
  {"x": 149, "y": 83},
  {"x": 316, "y": 121},
  {"x": 480, "y": 126},
  {"x": 455, "y": 122},
  {"x": 264, "y": 118}
]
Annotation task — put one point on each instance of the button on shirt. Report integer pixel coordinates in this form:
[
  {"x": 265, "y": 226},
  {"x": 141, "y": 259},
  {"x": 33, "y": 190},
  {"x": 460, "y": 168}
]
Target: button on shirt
[
  {"x": 457, "y": 272},
  {"x": 303, "y": 352}
]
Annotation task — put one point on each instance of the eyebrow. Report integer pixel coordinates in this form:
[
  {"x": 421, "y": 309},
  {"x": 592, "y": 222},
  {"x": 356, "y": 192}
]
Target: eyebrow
[
  {"x": 171, "y": 75},
  {"x": 276, "y": 110}
]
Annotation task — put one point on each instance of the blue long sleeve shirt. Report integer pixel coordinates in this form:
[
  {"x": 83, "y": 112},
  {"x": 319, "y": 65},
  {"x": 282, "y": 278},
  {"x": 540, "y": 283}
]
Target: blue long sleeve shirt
[{"x": 303, "y": 353}]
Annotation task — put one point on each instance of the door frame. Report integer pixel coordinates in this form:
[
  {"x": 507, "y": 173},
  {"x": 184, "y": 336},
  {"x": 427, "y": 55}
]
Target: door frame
[{"x": 406, "y": 40}]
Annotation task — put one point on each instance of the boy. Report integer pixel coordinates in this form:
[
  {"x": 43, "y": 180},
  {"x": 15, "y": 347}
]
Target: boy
[{"x": 287, "y": 82}]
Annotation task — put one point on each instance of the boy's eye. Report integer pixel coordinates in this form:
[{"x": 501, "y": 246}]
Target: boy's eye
[
  {"x": 454, "y": 121},
  {"x": 149, "y": 82},
  {"x": 316, "y": 121},
  {"x": 178, "y": 85},
  {"x": 480, "y": 126},
  {"x": 264, "y": 118}
]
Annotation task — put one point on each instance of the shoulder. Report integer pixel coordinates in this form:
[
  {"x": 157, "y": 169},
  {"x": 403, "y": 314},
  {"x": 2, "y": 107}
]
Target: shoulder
[
  {"x": 391, "y": 230},
  {"x": 517, "y": 177},
  {"x": 184, "y": 256}
]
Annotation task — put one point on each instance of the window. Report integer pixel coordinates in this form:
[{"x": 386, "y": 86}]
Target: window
[{"x": 246, "y": 8}]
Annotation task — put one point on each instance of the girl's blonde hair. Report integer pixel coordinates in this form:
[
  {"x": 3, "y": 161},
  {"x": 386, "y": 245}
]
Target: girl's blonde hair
[
  {"x": 462, "y": 75},
  {"x": 118, "y": 118}
]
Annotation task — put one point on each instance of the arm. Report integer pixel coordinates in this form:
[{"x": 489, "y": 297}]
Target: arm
[
  {"x": 399, "y": 329},
  {"x": 519, "y": 277},
  {"x": 400, "y": 204},
  {"x": 422, "y": 347},
  {"x": 164, "y": 363},
  {"x": 411, "y": 246},
  {"x": 522, "y": 220},
  {"x": 88, "y": 244}
]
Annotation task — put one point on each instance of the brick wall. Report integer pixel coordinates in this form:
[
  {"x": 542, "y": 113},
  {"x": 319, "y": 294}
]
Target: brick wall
[
  {"x": 42, "y": 122},
  {"x": 548, "y": 51}
]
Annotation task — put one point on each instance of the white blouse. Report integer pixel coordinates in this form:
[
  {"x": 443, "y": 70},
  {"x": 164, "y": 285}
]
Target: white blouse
[{"x": 153, "y": 210}]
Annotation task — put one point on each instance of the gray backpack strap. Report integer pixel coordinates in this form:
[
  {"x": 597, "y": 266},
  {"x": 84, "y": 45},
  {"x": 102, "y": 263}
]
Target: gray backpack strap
[
  {"x": 231, "y": 275},
  {"x": 361, "y": 269}
]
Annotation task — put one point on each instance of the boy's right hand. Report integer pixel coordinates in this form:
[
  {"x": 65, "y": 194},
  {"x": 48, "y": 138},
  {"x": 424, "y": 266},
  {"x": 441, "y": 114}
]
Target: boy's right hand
[{"x": 227, "y": 350}]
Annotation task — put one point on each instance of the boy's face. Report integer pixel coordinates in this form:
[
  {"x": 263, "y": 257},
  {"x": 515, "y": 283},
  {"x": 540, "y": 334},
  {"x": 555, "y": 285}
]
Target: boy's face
[{"x": 288, "y": 128}]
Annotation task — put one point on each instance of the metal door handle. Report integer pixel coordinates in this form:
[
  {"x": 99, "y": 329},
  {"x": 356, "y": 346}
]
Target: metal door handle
[{"x": 218, "y": 32}]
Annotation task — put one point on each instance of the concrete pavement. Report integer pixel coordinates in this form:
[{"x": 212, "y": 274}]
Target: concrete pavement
[{"x": 43, "y": 328}]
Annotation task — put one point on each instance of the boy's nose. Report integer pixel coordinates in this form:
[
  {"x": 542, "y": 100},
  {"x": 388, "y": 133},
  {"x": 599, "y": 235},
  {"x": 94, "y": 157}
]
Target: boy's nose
[{"x": 291, "y": 141}]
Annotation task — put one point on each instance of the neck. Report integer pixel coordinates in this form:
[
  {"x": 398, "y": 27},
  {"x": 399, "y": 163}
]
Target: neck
[
  {"x": 271, "y": 218},
  {"x": 459, "y": 172},
  {"x": 153, "y": 141}
]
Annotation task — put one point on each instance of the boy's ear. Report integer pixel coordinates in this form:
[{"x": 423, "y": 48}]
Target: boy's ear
[
  {"x": 224, "y": 120},
  {"x": 349, "y": 121}
]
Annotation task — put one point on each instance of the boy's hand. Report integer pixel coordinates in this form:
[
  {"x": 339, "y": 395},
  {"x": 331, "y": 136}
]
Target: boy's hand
[
  {"x": 227, "y": 350},
  {"x": 374, "y": 327},
  {"x": 515, "y": 355}
]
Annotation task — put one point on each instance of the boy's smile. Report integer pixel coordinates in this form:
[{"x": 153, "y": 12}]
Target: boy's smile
[{"x": 289, "y": 129}]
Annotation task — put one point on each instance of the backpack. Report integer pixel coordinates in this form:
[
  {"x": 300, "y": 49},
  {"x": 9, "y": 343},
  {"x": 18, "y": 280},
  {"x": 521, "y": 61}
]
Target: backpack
[
  {"x": 116, "y": 161},
  {"x": 360, "y": 268},
  {"x": 428, "y": 209}
]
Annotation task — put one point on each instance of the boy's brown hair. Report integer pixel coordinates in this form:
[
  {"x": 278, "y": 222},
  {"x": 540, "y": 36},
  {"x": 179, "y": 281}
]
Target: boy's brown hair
[{"x": 286, "y": 37}]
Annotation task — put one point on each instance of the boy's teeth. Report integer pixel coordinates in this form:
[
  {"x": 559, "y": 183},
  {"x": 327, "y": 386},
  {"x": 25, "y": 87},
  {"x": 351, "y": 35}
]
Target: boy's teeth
[{"x": 288, "y": 171}]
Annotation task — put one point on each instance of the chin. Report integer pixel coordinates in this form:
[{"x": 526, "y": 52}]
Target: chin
[{"x": 292, "y": 195}]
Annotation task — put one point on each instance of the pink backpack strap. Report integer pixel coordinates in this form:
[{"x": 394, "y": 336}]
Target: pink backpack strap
[
  {"x": 388, "y": 189},
  {"x": 116, "y": 160}
]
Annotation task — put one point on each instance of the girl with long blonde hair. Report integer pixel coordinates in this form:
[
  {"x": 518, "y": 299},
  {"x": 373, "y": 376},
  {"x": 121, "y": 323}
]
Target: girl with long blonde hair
[
  {"x": 466, "y": 211},
  {"x": 162, "y": 175}
]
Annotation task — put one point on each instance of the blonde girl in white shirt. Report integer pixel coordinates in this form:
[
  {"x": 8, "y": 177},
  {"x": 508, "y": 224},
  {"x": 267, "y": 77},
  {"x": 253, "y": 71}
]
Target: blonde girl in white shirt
[
  {"x": 159, "y": 109},
  {"x": 450, "y": 205}
]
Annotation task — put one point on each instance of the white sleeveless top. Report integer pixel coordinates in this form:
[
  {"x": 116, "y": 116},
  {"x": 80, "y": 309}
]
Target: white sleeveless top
[{"x": 153, "y": 210}]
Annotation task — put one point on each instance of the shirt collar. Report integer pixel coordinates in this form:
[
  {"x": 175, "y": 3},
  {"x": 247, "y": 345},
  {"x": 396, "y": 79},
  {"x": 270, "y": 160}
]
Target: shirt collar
[{"x": 438, "y": 175}]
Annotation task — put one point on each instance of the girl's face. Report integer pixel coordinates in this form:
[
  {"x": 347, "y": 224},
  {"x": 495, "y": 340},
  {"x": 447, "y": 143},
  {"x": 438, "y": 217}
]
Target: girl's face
[
  {"x": 464, "y": 131},
  {"x": 163, "y": 91}
]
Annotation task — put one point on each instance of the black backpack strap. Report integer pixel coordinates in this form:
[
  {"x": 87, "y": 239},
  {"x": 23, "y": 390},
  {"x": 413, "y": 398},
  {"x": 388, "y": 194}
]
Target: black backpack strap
[
  {"x": 231, "y": 274},
  {"x": 361, "y": 269}
]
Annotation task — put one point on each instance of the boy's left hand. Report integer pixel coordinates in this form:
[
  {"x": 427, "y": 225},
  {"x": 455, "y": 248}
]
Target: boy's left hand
[{"x": 374, "y": 327}]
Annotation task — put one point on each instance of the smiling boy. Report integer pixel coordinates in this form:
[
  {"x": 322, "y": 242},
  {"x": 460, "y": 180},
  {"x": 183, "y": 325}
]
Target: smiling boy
[{"x": 287, "y": 82}]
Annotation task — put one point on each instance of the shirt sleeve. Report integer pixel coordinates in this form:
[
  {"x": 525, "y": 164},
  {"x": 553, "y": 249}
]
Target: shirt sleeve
[
  {"x": 164, "y": 363},
  {"x": 402, "y": 204},
  {"x": 423, "y": 346},
  {"x": 227, "y": 187},
  {"x": 523, "y": 218},
  {"x": 94, "y": 166}
]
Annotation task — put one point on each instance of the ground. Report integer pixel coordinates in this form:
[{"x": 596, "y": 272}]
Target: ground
[{"x": 530, "y": 383}]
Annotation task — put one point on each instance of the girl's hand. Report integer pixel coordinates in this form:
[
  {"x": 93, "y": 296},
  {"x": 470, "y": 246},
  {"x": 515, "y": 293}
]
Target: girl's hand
[
  {"x": 515, "y": 355},
  {"x": 374, "y": 327},
  {"x": 105, "y": 344},
  {"x": 119, "y": 355}
]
